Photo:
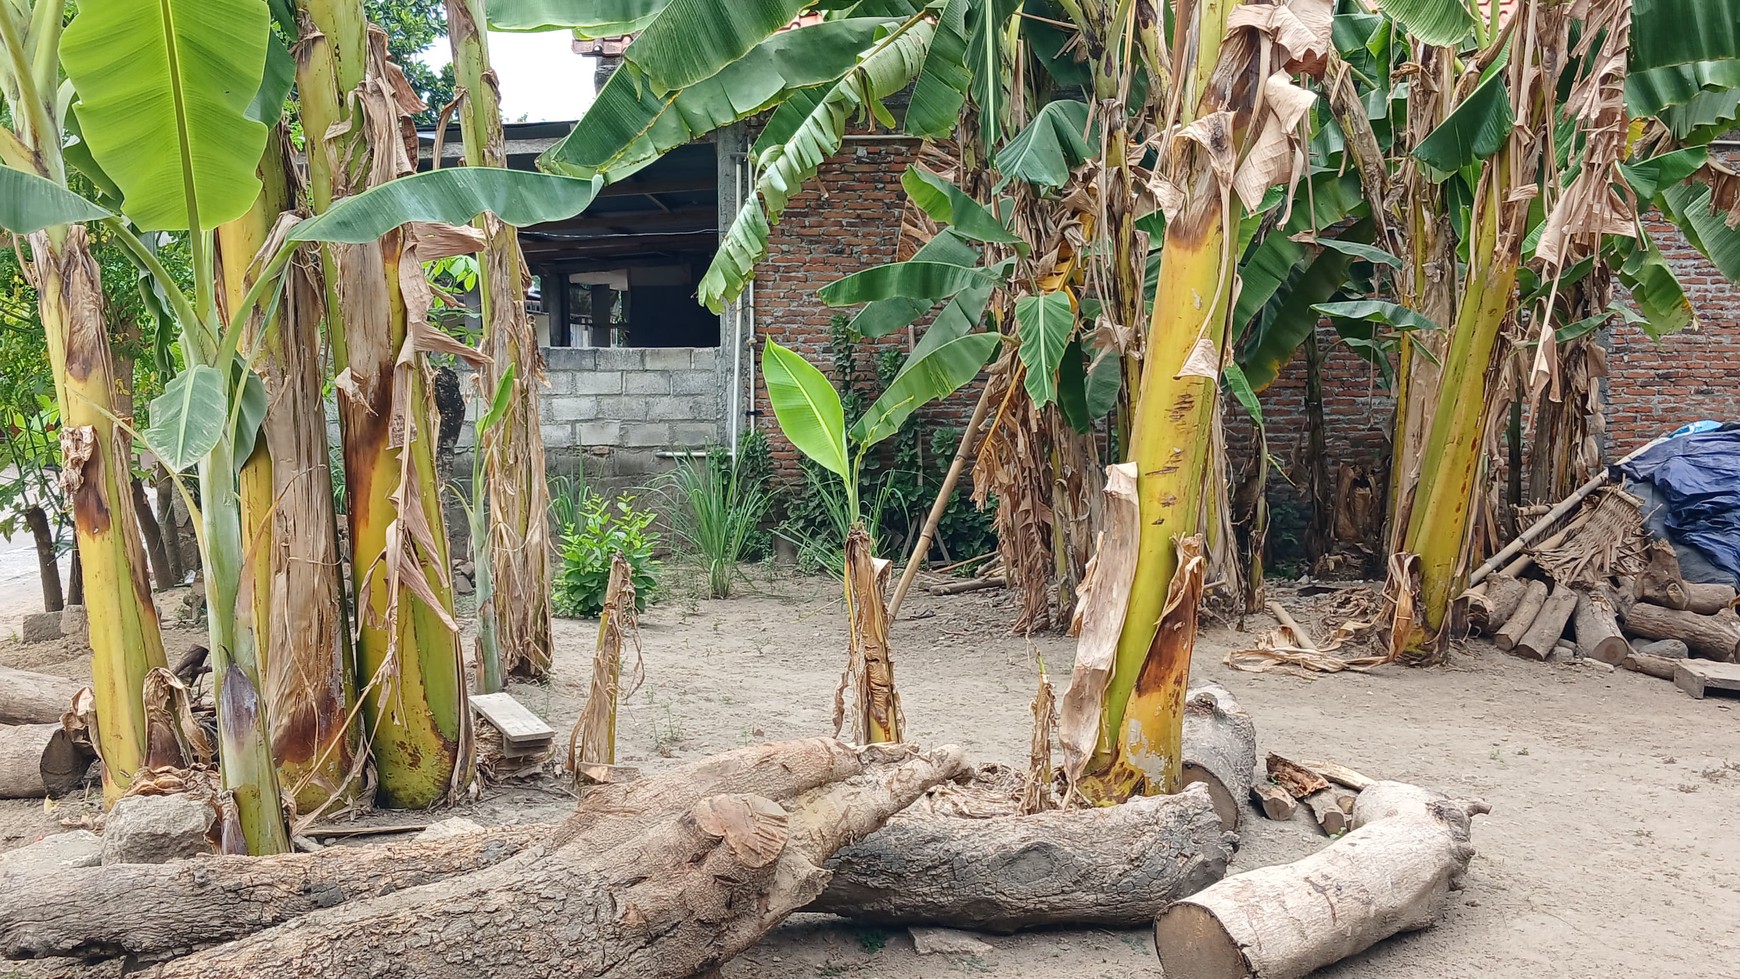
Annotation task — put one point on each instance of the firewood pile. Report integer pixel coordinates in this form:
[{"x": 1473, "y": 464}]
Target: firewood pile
[{"x": 1602, "y": 591}]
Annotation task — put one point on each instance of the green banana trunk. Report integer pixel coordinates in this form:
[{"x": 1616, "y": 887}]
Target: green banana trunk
[
  {"x": 289, "y": 529},
  {"x": 125, "y": 639},
  {"x": 415, "y": 706},
  {"x": 516, "y": 612}
]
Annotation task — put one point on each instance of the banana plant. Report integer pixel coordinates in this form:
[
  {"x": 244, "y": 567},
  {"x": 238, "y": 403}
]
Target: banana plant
[
  {"x": 48, "y": 218},
  {"x": 812, "y": 417}
]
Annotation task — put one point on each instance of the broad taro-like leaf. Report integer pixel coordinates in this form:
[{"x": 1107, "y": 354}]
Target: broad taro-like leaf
[
  {"x": 188, "y": 418},
  {"x": 164, "y": 90},
  {"x": 454, "y": 195},
  {"x": 1046, "y": 322},
  {"x": 807, "y": 407},
  {"x": 30, "y": 203}
]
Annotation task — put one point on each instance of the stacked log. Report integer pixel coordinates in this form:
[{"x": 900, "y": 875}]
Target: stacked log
[{"x": 1599, "y": 582}]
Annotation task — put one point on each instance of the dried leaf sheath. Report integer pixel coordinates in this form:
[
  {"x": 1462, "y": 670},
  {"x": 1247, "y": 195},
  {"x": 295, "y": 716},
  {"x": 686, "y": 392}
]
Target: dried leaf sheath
[
  {"x": 593, "y": 740},
  {"x": 867, "y": 686}
]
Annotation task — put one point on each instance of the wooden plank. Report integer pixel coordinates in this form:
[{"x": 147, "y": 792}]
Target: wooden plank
[
  {"x": 511, "y": 718},
  {"x": 1696, "y": 676}
]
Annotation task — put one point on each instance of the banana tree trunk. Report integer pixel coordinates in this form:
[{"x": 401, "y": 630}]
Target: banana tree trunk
[
  {"x": 411, "y": 673},
  {"x": 517, "y": 497},
  {"x": 97, "y": 463},
  {"x": 290, "y": 532},
  {"x": 1442, "y": 499}
]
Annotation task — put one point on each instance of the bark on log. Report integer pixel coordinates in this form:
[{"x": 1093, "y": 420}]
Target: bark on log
[
  {"x": 1220, "y": 749},
  {"x": 1534, "y": 596},
  {"x": 1708, "y": 599},
  {"x": 1494, "y": 601},
  {"x": 154, "y": 910},
  {"x": 40, "y": 759},
  {"x": 1543, "y": 634},
  {"x": 1115, "y": 866},
  {"x": 1656, "y": 666},
  {"x": 34, "y": 698},
  {"x": 1714, "y": 637},
  {"x": 1621, "y": 594},
  {"x": 1597, "y": 630},
  {"x": 1407, "y": 852},
  {"x": 687, "y": 892}
]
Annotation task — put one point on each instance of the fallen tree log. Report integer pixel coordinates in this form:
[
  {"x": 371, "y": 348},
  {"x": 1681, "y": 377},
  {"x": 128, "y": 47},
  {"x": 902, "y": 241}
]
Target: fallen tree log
[
  {"x": 1529, "y": 606},
  {"x": 1331, "y": 809},
  {"x": 1492, "y": 602},
  {"x": 1708, "y": 599},
  {"x": 1274, "y": 801},
  {"x": 1407, "y": 851},
  {"x": 1597, "y": 629},
  {"x": 157, "y": 910},
  {"x": 39, "y": 760},
  {"x": 1656, "y": 666},
  {"x": 1543, "y": 634},
  {"x": 34, "y": 698},
  {"x": 1714, "y": 637},
  {"x": 688, "y": 891},
  {"x": 1220, "y": 749},
  {"x": 1114, "y": 866}
]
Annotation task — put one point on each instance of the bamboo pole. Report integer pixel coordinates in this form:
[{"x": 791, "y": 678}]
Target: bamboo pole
[{"x": 969, "y": 440}]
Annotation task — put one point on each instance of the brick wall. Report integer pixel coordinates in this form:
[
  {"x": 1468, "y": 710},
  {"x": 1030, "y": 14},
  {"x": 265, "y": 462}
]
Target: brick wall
[{"x": 847, "y": 219}]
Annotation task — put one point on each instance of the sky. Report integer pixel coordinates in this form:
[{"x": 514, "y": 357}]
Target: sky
[{"x": 542, "y": 79}]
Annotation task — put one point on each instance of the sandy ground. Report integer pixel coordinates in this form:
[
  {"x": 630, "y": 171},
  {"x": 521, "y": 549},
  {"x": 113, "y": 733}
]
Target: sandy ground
[{"x": 1611, "y": 849}]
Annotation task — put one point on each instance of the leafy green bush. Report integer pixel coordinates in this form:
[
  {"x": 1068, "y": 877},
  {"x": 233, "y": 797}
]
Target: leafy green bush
[
  {"x": 717, "y": 514},
  {"x": 600, "y": 529},
  {"x": 567, "y": 493}
]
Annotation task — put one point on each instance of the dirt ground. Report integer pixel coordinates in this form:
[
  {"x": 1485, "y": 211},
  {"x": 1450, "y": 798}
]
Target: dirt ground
[{"x": 1610, "y": 850}]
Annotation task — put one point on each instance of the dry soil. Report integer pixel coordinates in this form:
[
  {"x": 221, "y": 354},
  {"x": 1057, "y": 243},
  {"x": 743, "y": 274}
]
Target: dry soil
[{"x": 1612, "y": 848}]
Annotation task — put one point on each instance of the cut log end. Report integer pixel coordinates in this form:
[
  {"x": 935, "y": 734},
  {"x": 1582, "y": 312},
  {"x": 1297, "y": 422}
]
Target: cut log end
[
  {"x": 1273, "y": 801},
  {"x": 1220, "y": 749},
  {"x": 1193, "y": 944},
  {"x": 40, "y": 759}
]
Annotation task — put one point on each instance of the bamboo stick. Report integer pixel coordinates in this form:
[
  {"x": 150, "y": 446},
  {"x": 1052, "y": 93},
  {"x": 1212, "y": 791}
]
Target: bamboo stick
[{"x": 969, "y": 439}]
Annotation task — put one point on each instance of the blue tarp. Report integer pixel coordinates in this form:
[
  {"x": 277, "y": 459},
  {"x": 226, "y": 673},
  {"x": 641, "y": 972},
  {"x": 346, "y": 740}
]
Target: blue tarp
[{"x": 1697, "y": 476}]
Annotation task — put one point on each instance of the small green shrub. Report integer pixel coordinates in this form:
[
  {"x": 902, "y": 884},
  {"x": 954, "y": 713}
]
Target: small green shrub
[
  {"x": 600, "y": 529},
  {"x": 716, "y": 514}
]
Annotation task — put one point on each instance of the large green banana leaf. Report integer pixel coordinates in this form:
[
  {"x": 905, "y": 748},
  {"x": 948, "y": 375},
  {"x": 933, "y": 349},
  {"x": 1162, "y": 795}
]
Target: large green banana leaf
[
  {"x": 942, "y": 83},
  {"x": 1678, "y": 49},
  {"x": 628, "y": 126},
  {"x": 911, "y": 279},
  {"x": 452, "y": 196},
  {"x": 694, "y": 39},
  {"x": 950, "y": 205},
  {"x": 30, "y": 203},
  {"x": 787, "y": 165},
  {"x": 807, "y": 407},
  {"x": 586, "y": 18},
  {"x": 1436, "y": 22},
  {"x": 884, "y": 316},
  {"x": 1474, "y": 130},
  {"x": 188, "y": 418},
  {"x": 1053, "y": 144},
  {"x": 164, "y": 90},
  {"x": 930, "y": 374},
  {"x": 1657, "y": 291},
  {"x": 1689, "y": 206}
]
